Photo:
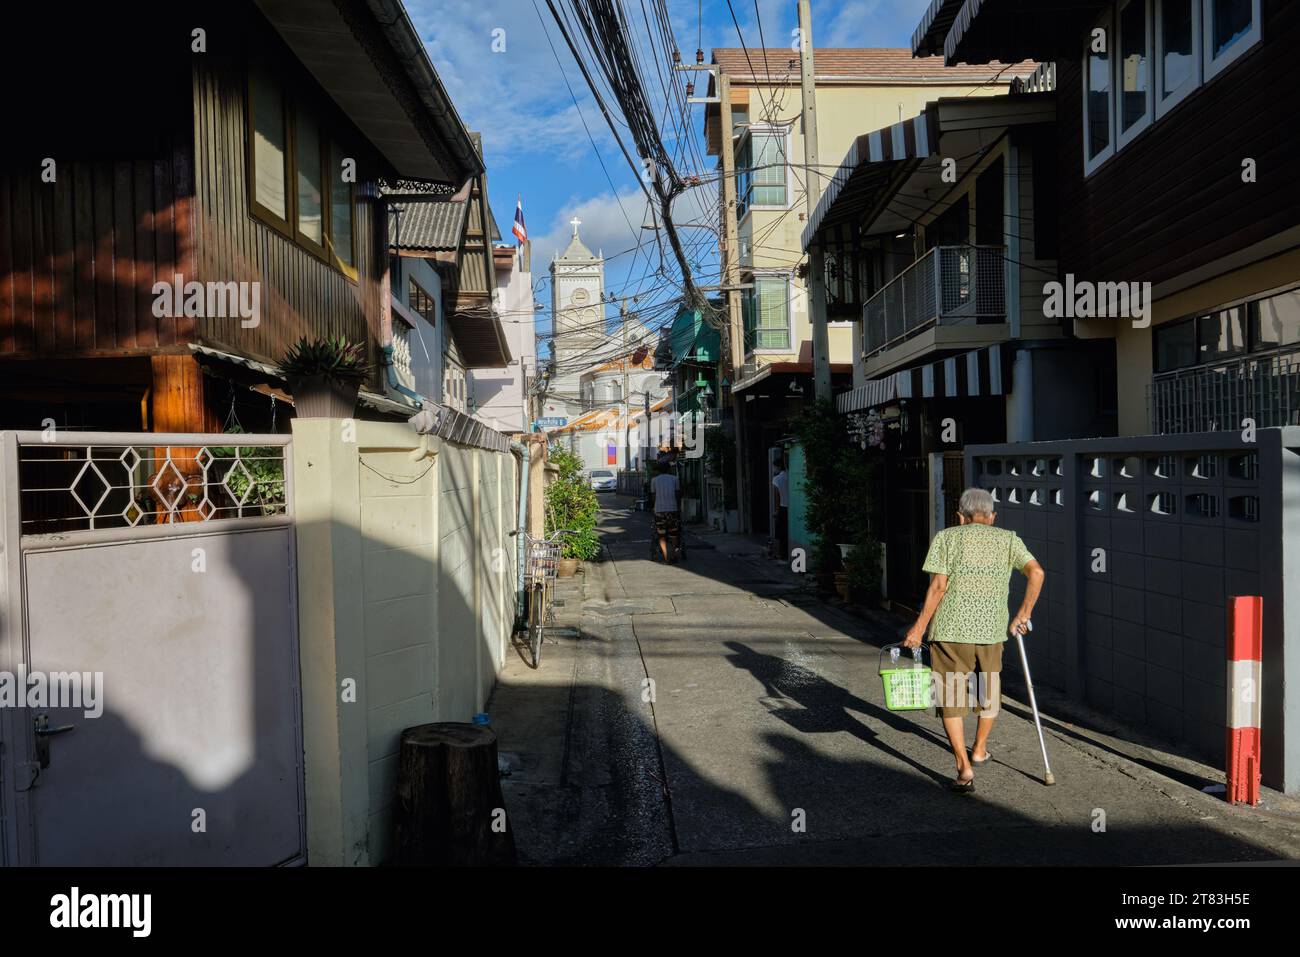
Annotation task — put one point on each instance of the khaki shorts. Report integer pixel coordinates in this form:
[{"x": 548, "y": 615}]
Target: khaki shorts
[{"x": 967, "y": 677}]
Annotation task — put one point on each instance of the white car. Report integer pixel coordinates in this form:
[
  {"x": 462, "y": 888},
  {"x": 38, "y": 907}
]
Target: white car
[{"x": 603, "y": 480}]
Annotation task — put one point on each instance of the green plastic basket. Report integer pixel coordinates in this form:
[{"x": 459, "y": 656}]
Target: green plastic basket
[{"x": 907, "y": 685}]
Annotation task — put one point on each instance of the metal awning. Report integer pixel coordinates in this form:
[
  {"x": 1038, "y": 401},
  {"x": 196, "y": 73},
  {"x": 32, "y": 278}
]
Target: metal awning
[
  {"x": 927, "y": 39},
  {"x": 1011, "y": 30},
  {"x": 876, "y": 188},
  {"x": 979, "y": 372},
  {"x": 869, "y": 166}
]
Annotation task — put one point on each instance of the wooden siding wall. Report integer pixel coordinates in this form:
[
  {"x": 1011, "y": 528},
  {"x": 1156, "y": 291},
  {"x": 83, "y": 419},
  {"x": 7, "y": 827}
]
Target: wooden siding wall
[
  {"x": 1173, "y": 199},
  {"x": 300, "y": 294},
  {"x": 79, "y": 256}
]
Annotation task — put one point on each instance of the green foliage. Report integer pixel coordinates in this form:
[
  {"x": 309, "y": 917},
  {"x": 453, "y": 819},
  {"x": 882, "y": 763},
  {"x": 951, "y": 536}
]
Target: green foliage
[
  {"x": 571, "y": 503},
  {"x": 844, "y": 498},
  {"x": 266, "y": 466},
  {"x": 334, "y": 358}
]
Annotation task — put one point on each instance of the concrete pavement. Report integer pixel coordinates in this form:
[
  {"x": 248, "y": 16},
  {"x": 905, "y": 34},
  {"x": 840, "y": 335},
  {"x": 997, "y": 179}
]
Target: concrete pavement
[{"x": 715, "y": 712}]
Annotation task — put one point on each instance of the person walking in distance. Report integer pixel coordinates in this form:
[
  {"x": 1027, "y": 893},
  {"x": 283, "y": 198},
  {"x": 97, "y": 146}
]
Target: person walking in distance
[
  {"x": 666, "y": 492},
  {"x": 781, "y": 484},
  {"x": 965, "y": 609}
]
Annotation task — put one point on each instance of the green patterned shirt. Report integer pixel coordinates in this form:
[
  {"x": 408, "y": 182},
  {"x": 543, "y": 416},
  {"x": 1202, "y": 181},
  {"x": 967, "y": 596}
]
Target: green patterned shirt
[{"x": 978, "y": 560}]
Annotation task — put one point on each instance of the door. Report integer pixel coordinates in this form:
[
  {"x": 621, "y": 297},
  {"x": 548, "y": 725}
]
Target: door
[{"x": 194, "y": 756}]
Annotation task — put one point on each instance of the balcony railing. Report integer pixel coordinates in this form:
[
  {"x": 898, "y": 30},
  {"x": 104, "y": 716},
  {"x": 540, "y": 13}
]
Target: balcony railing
[
  {"x": 1042, "y": 80},
  {"x": 949, "y": 285},
  {"x": 1264, "y": 389}
]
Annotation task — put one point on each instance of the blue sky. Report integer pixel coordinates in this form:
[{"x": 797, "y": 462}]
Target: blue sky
[{"x": 534, "y": 140}]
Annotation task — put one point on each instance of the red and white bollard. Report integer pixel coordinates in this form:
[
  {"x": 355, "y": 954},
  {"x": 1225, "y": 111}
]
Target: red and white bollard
[{"x": 1245, "y": 682}]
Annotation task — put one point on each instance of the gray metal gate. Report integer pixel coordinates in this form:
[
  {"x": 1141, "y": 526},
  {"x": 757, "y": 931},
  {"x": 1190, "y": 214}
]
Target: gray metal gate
[{"x": 164, "y": 564}]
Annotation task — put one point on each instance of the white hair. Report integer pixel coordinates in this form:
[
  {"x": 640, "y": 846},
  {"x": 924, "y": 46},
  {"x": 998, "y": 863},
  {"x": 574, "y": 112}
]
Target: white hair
[{"x": 976, "y": 501}]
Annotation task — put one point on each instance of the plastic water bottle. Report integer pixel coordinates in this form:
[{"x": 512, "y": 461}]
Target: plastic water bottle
[
  {"x": 916, "y": 653},
  {"x": 893, "y": 654}
]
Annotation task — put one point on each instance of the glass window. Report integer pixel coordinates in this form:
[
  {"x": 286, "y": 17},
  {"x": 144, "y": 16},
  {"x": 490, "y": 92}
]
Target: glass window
[
  {"x": 268, "y": 144},
  {"x": 1134, "y": 65},
  {"x": 1230, "y": 21},
  {"x": 1222, "y": 334},
  {"x": 420, "y": 302},
  {"x": 1097, "y": 96},
  {"x": 307, "y": 159},
  {"x": 1277, "y": 320},
  {"x": 769, "y": 169},
  {"x": 1230, "y": 28},
  {"x": 766, "y": 311},
  {"x": 340, "y": 209},
  {"x": 1178, "y": 52},
  {"x": 1175, "y": 345}
]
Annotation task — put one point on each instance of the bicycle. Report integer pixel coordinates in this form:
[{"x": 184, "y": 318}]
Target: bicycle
[
  {"x": 541, "y": 559},
  {"x": 669, "y": 525}
]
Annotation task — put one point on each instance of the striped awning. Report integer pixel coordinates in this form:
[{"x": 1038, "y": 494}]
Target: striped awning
[
  {"x": 927, "y": 39},
  {"x": 867, "y": 164},
  {"x": 979, "y": 372}
]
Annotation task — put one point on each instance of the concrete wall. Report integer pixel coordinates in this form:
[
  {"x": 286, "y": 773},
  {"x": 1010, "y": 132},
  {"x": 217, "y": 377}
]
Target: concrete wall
[
  {"x": 406, "y": 599},
  {"x": 498, "y": 394},
  {"x": 1144, "y": 540}
]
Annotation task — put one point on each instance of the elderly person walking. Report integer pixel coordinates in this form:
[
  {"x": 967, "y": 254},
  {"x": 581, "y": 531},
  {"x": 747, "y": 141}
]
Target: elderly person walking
[{"x": 970, "y": 568}]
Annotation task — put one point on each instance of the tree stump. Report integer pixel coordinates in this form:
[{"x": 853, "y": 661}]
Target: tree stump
[{"x": 450, "y": 808}]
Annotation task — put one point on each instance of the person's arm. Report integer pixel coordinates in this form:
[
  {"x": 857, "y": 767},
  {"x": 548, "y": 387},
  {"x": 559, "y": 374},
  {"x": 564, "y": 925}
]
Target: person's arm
[
  {"x": 933, "y": 595},
  {"x": 1034, "y": 572}
]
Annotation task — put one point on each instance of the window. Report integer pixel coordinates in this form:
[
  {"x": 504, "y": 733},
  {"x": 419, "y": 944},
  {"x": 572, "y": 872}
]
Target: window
[
  {"x": 1231, "y": 27},
  {"x": 761, "y": 171},
  {"x": 1222, "y": 334},
  {"x": 766, "y": 310},
  {"x": 340, "y": 210},
  {"x": 1229, "y": 333},
  {"x": 1164, "y": 51},
  {"x": 269, "y": 153},
  {"x": 306, "y": 147},
  {"x": 1175, "y": 345},
  {"x": 1098, "y": 144},
  {"x": 420, "y": 302},
  {"x": 296, "y": 183},
  {"x": 1276, "y": 321},
  {"x": 1178, "y": 72},
  {"x": 1134, "y": 66}
]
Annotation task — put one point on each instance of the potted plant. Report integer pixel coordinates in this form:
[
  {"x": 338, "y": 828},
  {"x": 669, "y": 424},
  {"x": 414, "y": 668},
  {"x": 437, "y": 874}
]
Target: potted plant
[
  {"x": 325, "y": 376},
  {"x": 571, "y": 504}
]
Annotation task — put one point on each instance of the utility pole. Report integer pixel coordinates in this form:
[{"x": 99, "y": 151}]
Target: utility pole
[
  {"x": 816, "y": 267},
  {"x": 731, "y": 280},
  {"x": 729, "y": 244},
  {"x": 627, "y": 408}
]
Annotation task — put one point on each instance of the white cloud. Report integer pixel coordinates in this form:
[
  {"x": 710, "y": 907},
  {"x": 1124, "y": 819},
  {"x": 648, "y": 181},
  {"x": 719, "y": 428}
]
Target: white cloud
[{"x": 502, "y": 76}]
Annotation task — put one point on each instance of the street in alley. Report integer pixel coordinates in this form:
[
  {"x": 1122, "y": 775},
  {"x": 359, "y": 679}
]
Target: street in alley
[{"x": 716, "y": 712}]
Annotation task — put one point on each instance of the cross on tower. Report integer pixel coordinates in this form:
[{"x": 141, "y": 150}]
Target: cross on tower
[{"x": 575, "y": 222}]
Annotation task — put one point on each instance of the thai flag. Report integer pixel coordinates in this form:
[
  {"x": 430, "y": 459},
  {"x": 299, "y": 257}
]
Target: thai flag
[{"x": 521, "y": 233}]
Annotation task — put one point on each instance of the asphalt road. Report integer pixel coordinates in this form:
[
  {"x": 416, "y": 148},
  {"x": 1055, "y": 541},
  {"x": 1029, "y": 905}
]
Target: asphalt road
[{"x": 712, "y": 712}]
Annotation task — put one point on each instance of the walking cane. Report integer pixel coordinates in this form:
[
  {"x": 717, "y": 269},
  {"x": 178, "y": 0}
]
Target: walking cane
[{"x": 1048, "y": 779}]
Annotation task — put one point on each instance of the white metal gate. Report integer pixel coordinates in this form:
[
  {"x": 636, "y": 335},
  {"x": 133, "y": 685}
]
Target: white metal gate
[{"x": 148, "y": 638}]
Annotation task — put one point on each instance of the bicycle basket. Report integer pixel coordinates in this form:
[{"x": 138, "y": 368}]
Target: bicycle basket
[
  {"x": 907, "y": 683},
  {"x": 542, "y": 559}
]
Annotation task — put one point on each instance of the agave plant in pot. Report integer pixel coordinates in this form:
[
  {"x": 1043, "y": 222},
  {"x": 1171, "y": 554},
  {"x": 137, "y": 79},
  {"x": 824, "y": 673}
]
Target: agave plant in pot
[{"x": 325, "y": 376}]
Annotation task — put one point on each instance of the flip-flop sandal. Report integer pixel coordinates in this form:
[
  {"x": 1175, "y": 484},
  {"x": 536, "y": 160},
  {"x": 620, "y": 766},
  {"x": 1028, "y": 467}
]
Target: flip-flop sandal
[
  {"x": 984, "y": 760},
  {"x": 962, "y": 787}
]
